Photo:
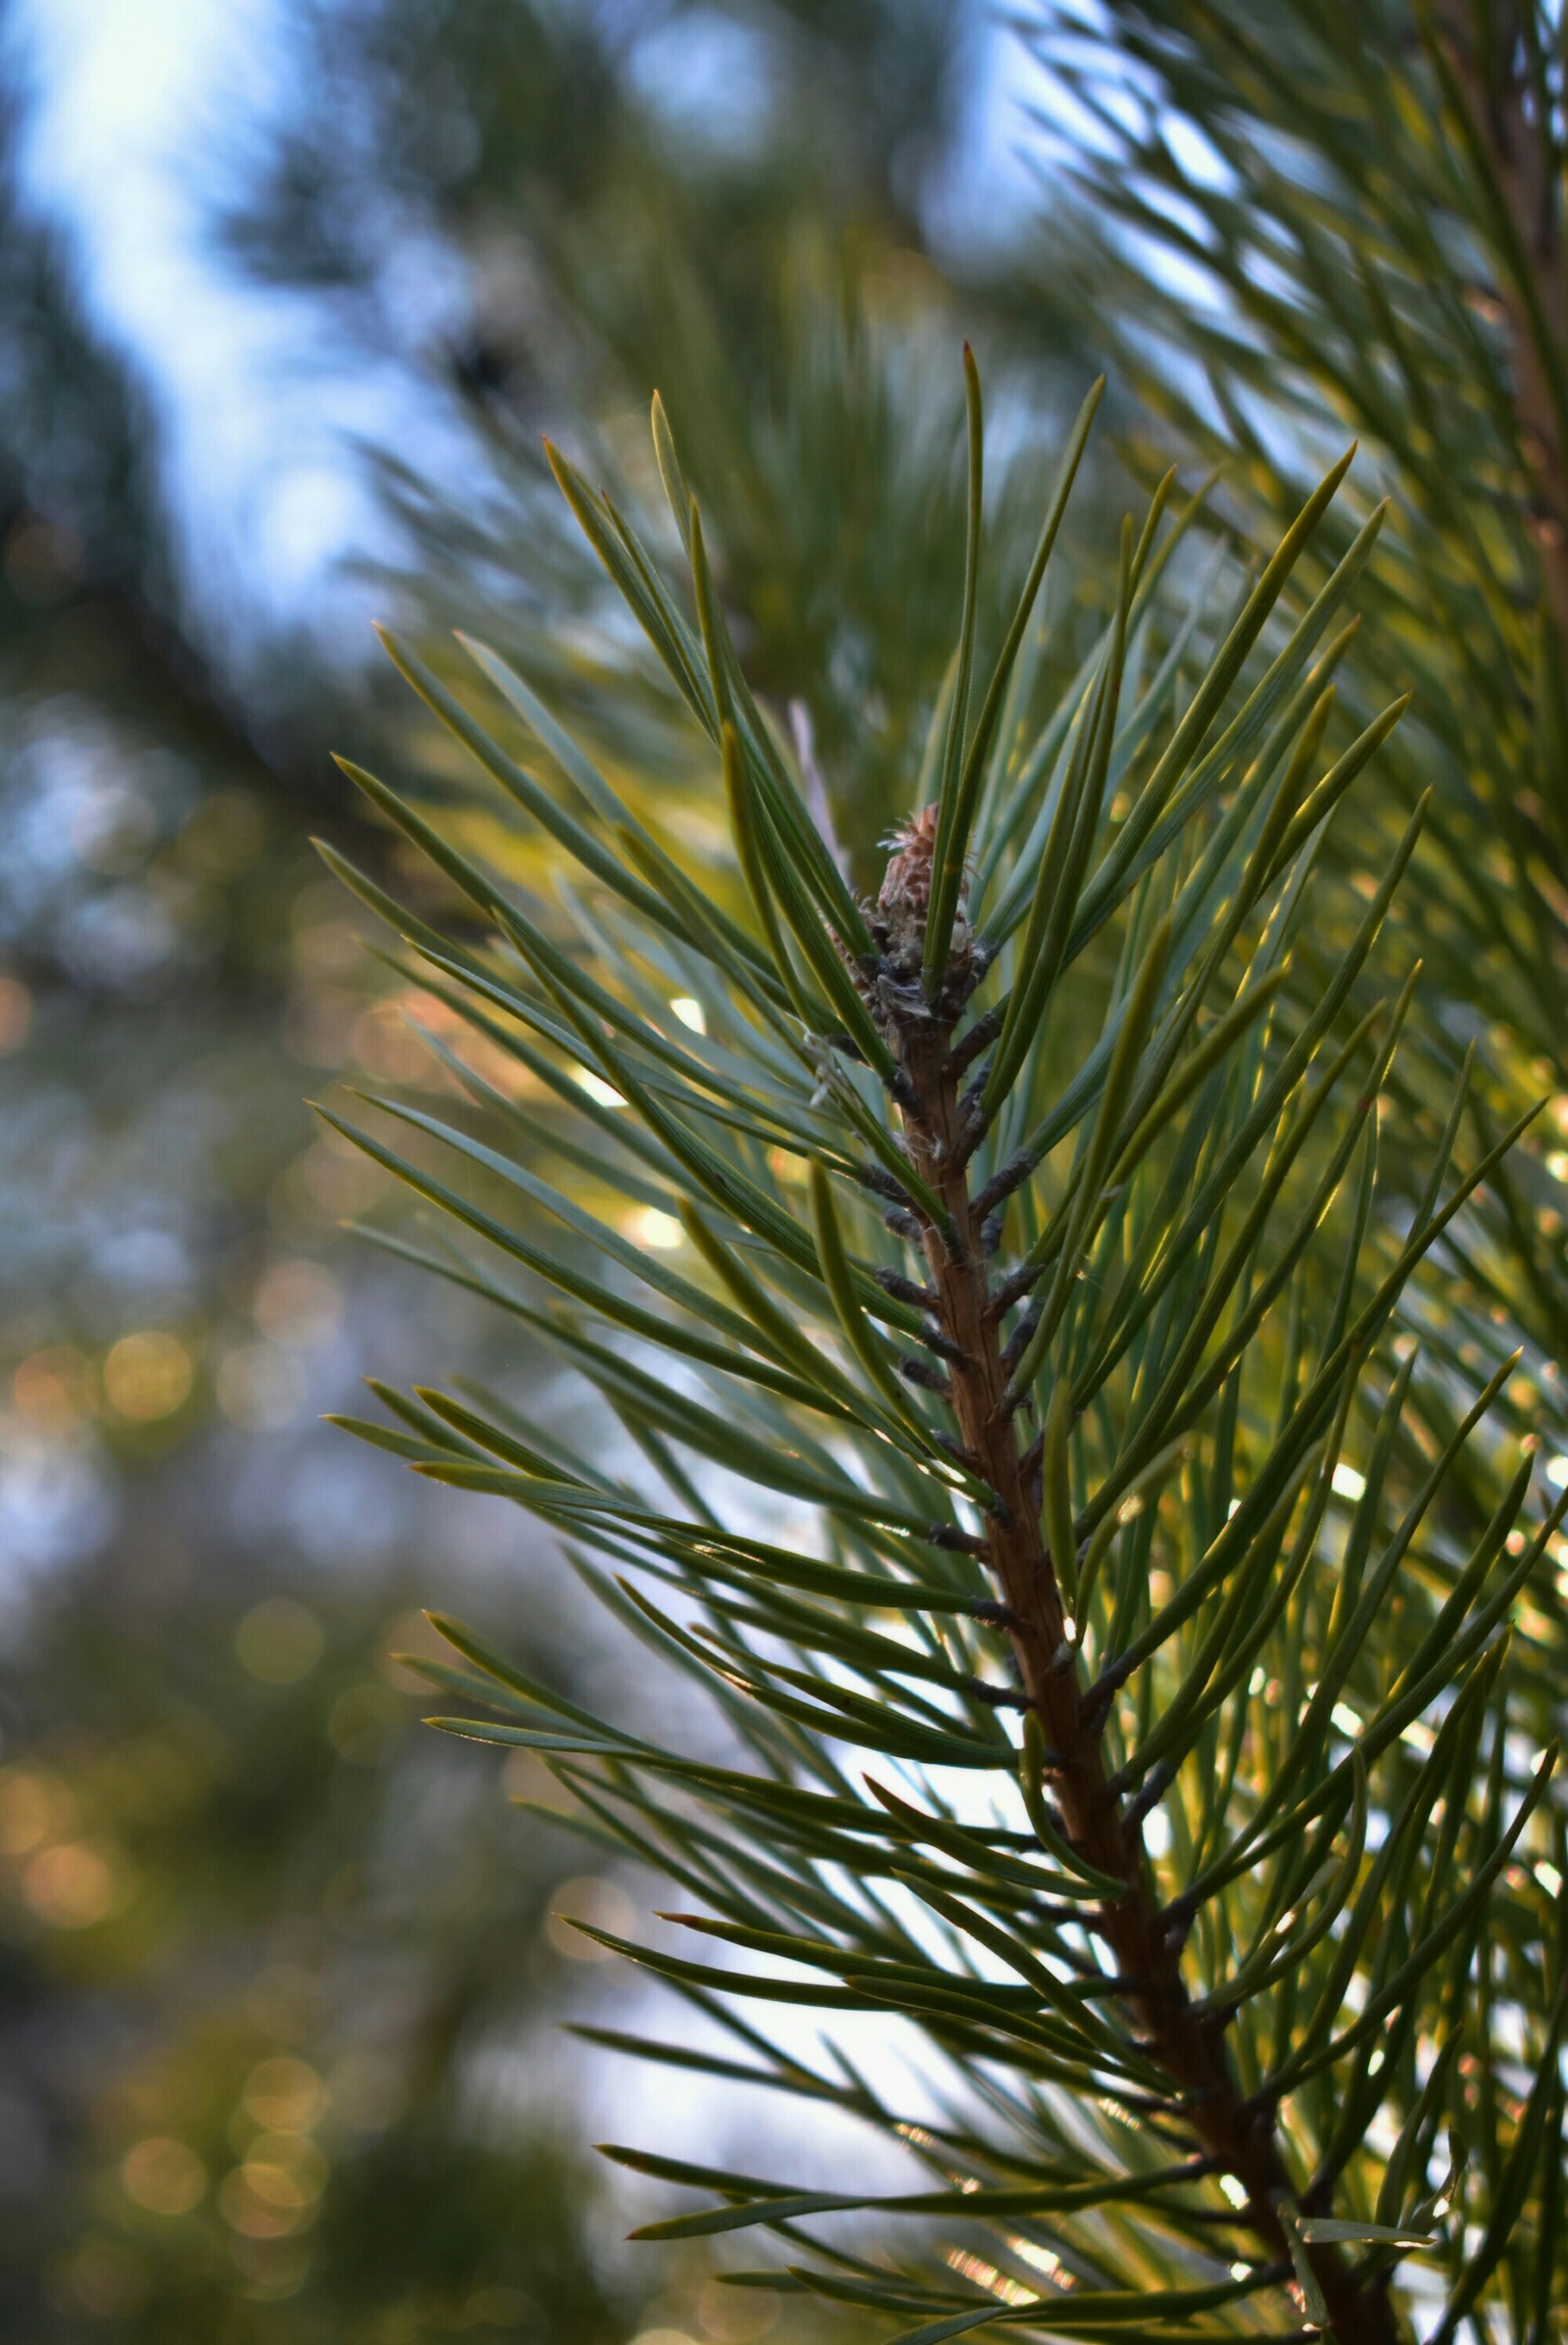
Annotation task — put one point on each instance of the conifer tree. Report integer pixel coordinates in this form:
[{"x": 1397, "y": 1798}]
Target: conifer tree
[{"x": 993, "y": 1262}]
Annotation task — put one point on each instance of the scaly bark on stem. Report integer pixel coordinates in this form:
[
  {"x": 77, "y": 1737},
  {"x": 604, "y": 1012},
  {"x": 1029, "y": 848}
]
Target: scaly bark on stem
[{"x": 1190, "y": 2050}]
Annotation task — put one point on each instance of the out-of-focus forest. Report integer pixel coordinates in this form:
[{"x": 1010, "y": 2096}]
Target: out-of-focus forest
[{"x": 279, "y": 1972}]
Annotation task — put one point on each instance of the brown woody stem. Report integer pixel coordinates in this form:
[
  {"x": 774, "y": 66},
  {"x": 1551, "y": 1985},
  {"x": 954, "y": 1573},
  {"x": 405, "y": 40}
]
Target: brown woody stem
[{"x": 1240, "y": 2139}]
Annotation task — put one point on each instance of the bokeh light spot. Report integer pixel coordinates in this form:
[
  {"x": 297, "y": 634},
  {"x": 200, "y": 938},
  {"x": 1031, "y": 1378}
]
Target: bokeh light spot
[
  {"x": 33, "y": 1807},
  {"x": 284, "y": 2095},
  {"x": 336, "y": 1180},
  {"x": 648, "y": 1227},
  {"x": 297, "y": 1303},
  {"x": 74, "y": 1884},
  {"x": 605, "y": 1093},
  {"x": 285, "y": 2171},
  {"x": 164, "y": 2175},
  {"x": 280, "y": 1641},
  {"x": 147, "y": 1376},
  {"x": 588, "y": 1897},
  {"x": 54, "y": 1391},
  {"x": 244, "y": 2211}
]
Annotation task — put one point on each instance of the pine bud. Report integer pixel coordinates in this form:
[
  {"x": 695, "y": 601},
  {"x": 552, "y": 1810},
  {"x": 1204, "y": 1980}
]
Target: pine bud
[{"x": 904, "y": 902}]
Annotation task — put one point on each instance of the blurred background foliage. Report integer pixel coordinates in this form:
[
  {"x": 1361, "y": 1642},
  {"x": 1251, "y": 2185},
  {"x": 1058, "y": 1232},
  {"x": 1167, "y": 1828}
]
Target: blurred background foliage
[{"x": 280, "y": 1972}]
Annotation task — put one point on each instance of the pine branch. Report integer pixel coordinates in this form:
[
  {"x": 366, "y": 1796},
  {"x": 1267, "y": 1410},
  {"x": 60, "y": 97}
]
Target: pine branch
[
  {"x": 1133, "y": 1487},
  {"x": 1101, "y": 1828}
]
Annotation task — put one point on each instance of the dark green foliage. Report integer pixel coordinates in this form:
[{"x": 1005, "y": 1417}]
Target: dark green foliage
[
  {"x": 1308, "y": 224},
  {"x": 1103, "y": 1602}
]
